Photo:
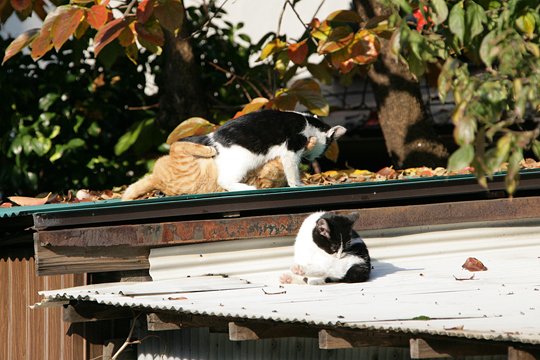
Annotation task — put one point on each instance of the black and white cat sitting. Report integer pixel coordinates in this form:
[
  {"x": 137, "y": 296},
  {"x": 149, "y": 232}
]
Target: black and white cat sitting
[
  {"x": 328, "y": 250},
  {"x": 252, "y": 140}
]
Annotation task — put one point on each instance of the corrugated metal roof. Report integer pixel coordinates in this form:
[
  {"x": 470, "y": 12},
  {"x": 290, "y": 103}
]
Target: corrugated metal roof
[{"x": 417, "y": 284}]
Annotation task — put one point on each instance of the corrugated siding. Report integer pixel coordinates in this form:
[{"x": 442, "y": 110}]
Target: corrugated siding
[
  {"x": 33, "y": 334},
  {"x": 201, "y": 344}
]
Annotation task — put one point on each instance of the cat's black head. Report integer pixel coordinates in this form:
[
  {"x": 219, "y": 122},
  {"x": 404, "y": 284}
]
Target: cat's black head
[{"x": 332, "y": 232}]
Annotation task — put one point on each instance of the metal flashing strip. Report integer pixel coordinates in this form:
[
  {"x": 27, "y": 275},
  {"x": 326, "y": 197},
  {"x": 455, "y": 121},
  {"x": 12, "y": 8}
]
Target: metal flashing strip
[
  {"x": 299, "y": 199},
  {"x": 417, "y": 286}
]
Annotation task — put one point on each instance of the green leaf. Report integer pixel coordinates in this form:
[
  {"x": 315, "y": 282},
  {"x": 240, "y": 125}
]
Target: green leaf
[
  {"x": 55, "y": 131},
  {"x": 41, "y": 145},
  {"x": 94, "y": 129},
  {"x": 282, "y": 62},
  {"x": 46, "y": 117},
  {"x": 58, "y": 153},
  {"x": 457, "y": 21},
  {"x": 61, "y": 148},
  {"x": 130, "y": 137},
  {"x": 512, "y": 174},
  {"x": 475, "y": 17},
  {"x": 496, "y": 156},
  {"x": 321, "y": 72},
  {"x": 533, "y": 48},
  {"x": 444, "y": 81},
  {"x": 416, "y": 66},
  {"x": 465, "y": 130},
  {"x": 461, "y": 158},
  {"x": 488, "y": 49},
  {"x": 536, "y": 149},
  {"x": 47, "y": 101},
  {"x": 74, "y": 144},
  {"x": 526, "y": 24},
  {"x": 440, "y": 11},
  {"x": 308, "y": 93},
  {"x": 404, "y": 4}
]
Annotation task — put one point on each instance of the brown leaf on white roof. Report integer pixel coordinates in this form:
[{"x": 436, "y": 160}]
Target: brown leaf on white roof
[{"x": 473, "y": 264}]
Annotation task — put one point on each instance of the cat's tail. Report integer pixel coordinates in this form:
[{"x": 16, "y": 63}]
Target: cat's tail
[{"x": 141, "y": 187}]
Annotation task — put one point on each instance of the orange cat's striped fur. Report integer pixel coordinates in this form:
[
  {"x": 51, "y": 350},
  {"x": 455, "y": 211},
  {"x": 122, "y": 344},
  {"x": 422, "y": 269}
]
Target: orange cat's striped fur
[{"x": 190, "y": 169}]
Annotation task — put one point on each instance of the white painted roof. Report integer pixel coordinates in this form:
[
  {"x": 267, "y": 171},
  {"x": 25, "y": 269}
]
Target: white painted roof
[{"x": 414, "y": 286}]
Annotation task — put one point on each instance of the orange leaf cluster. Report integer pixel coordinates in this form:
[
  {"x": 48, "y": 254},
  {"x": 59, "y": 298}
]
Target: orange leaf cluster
[{"x": 145, "y": 25}]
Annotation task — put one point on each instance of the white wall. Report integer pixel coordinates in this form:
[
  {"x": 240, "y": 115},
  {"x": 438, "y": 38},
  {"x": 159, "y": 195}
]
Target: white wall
[{"x": 259, "y": 16}]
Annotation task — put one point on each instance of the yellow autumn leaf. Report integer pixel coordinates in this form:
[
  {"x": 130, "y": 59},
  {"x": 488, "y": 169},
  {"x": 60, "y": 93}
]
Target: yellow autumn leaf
[
  {"x": 331, "y": 173},
  {"x": 190, "y": 127},
  {"x": 254, "y": 105},
  {"x": 357, "y": 173},
  {"x": 272, "y": 47}
]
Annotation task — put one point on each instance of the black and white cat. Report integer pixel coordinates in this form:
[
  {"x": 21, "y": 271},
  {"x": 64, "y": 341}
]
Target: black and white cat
[
  {"x": 249, "y": 141},
  {"x": 327, "y": 249}
]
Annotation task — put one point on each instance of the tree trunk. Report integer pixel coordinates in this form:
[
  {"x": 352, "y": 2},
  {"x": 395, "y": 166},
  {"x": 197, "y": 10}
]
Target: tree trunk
[
  {"x": 181, "y": 91},
  {"x": 407, "y": 127}
]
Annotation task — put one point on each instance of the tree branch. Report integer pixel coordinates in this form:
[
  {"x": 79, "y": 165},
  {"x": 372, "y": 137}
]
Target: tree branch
[
  {"x": 130, "y": 6},
  {"x": 207, "y": 22},
  {"x": 127, "y": 342}
]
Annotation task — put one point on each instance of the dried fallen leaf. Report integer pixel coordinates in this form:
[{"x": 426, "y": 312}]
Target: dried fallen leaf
[
  {"x": 387, "y": 172},
  {"x": 473, "y": 264},
  {"x": 29, "y": 201},
  {"x": 6, "y": 205},
  {"x": 177, "y": 298}
]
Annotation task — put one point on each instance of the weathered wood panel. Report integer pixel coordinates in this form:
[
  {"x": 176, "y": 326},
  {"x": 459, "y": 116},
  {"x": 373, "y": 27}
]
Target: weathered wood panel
[
  {"x": 78, "y": 260},
  {"x": 5, "y": 303},
  {"x": 27, "y": 334}
]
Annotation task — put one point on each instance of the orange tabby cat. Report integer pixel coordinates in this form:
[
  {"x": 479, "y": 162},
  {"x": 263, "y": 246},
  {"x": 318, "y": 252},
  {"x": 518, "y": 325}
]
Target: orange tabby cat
[{"x": 190, "y": 169}]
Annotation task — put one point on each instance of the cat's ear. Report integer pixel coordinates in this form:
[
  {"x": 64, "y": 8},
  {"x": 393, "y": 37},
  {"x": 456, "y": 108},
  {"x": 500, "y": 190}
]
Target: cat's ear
[
  {"x": 353, "y": 217},
  {"x": 336, "y": 132},
  {"x": 323, "y": 228}
]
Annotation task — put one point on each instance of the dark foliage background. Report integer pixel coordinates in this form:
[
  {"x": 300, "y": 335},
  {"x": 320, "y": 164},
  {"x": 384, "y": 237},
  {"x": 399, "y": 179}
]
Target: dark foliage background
[{"x": 71, "y": 122}]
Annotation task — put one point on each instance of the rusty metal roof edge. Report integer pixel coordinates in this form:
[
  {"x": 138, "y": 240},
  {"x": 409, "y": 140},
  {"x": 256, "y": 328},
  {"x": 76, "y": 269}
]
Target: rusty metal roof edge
[{"x": 321, "y": 197}]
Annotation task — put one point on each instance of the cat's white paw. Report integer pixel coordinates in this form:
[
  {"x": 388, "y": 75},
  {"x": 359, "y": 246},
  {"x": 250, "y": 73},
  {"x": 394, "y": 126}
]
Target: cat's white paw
[
  {"x": 297, "y": 269},
  {"x": 286, "y": 278}
]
